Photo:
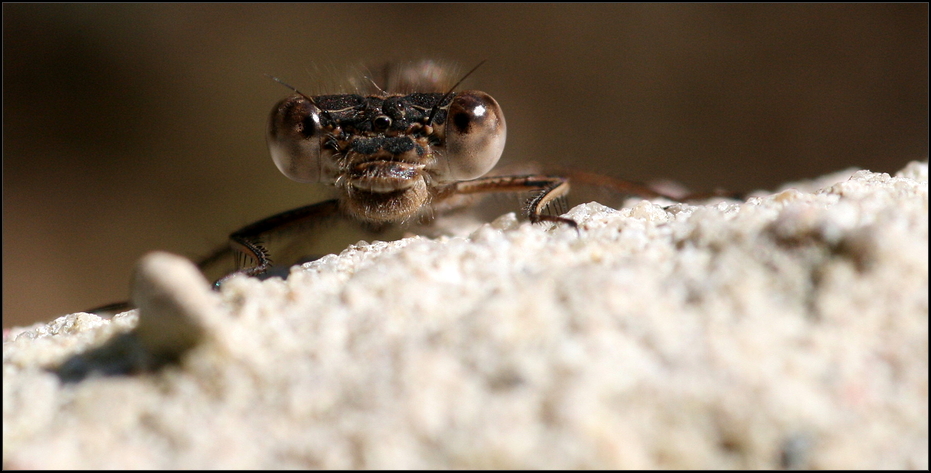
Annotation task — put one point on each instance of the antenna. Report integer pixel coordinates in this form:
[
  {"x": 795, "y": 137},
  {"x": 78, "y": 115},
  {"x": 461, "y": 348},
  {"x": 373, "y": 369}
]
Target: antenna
[
  {"x": 290, "y": 87},
  {"x": 436, "y": 107},
  {"x": 298, "y": 92}
]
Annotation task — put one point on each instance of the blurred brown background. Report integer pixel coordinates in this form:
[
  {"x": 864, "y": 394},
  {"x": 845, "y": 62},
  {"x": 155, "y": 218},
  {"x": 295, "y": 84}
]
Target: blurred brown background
[{"x": 128, "y": 128}]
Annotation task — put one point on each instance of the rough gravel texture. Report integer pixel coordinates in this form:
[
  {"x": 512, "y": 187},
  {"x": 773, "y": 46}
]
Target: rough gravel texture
[{"x": 790, "y": 330}]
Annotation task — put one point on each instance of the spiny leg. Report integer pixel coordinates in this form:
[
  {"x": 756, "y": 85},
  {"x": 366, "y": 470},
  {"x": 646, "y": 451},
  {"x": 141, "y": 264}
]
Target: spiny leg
[
  {"x": 551, "y": 188},
  {"x": 248, "y": 240}
]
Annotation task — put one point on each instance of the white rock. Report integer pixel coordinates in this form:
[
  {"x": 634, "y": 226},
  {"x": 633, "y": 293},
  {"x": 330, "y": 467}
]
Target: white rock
[{"x": 789, "y": 330}]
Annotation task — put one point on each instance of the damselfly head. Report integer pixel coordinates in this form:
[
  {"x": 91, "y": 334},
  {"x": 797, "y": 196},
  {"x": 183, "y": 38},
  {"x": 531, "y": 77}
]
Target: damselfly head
[{"x": 389, "y": 152}]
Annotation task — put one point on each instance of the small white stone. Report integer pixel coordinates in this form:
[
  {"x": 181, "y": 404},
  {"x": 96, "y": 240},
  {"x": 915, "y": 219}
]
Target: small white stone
[{"x": 174, "y": 302}]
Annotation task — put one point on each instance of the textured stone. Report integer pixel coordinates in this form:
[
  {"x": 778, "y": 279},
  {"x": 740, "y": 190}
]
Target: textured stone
[{"x": 790, "y": 330}]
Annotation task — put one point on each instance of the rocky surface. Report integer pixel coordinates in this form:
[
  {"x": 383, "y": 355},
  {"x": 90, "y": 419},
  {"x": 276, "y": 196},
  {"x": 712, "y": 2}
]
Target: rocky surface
[{"x": 790, "y": 330}]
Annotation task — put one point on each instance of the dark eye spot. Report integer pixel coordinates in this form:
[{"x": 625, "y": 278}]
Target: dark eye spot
[
  {"x": 462, "y": 122},
  {"x": 307, "y": 126}
]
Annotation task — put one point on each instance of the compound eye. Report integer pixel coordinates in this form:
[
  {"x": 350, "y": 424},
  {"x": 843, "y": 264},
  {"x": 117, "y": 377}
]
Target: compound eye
[
  {"x": 475, "y": 134},
  {"x": 294, "y": 133}
]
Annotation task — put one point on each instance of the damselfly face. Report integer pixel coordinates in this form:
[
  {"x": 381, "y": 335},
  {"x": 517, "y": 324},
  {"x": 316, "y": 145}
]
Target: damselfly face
[{"x": 389, "y": 155}]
